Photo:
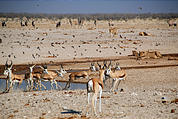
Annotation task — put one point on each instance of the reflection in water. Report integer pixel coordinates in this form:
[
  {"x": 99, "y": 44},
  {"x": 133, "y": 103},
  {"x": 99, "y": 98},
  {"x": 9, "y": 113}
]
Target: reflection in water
[{"x": 47, "y": 84}]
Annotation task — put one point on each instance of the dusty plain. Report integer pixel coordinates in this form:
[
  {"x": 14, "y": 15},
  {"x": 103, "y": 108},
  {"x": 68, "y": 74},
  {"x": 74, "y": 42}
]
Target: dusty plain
[{"x": 142, "y": 92}]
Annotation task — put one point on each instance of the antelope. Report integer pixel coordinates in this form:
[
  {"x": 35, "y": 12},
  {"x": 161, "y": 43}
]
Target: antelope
[
  {"x": 33, "y": 23},
  {"x": 22, "y": 23},
  {"x": 144, "y": 34},
  {"x": 70, "y": 22},
  {"x": 95, "y": 86},
  {"x": 116, "y": 75},
  {"x": 29, "y": 77},
  {"x": 12, "y": 78},
  {"x": 82, "y": 74},
  {"x": 172, "y": 22},
  {"x": 95, "y": 22},
  {"x": 113, "y": 31},
  {"x": 58, "y": 24},
  {"x": 3, "y": 24},
  {"x": 37, "y": 77},
  {"x": 51, "y": 75}
]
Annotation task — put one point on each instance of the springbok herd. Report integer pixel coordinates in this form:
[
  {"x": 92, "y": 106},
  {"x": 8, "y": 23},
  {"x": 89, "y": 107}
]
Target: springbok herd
[
  {"x": 113, "y": 29},
  {"x": 33, "y": 80}
]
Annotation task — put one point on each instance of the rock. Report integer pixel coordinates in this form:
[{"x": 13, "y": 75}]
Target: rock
[
  {"x": 172, "y": 110},
  {"x": 122, "y": 90}
]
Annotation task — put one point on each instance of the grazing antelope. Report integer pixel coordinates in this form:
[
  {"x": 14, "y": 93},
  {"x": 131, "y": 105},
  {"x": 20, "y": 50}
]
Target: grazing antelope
[
  {"x": 95, "y": 86},
  {"x": 12, "y": 78},
  {"x": 117, "y": 75},
  {"x": 51, "y": 75},
  {"x": 82, "y": 74}
]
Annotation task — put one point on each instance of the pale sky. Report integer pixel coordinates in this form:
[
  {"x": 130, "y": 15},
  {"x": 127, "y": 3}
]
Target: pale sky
[{"x": 88, "y": 6}]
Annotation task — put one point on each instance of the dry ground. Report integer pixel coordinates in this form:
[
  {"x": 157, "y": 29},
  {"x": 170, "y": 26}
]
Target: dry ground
[
  {"x": 143, "y": 88},
  {"x": 48, "y": 44},
  {"x": 142, "y": 98}
]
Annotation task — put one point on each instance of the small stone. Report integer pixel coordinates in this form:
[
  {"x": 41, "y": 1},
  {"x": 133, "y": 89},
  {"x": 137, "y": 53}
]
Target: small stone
[
  {"x": 122, "y": 90},
  {"x": 172, "y": 110},
  {"x": 141, "y": 105}
]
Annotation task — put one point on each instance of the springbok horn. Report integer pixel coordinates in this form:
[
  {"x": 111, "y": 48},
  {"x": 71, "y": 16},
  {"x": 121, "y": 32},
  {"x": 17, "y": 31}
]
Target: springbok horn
[
  {"x": 92, "y": 64},
  {"x": 99, "y": 65},
  {"x": 109, "y": 64},
  {"x": 41, "y": 67},
  {"x": 45, "y": 66},
  {"x": 33, "y": 65},
  {"x": 6, "y": 63},
  {"x": 11, "y": 64},
  {"x": 61, "y": 66},
  {"x": 105, "y": 64}
]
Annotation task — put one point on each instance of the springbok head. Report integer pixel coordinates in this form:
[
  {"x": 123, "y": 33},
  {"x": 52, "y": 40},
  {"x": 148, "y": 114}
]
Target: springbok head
[
  {"x": 45, "y": 70},
  {"x": 7, "y": 68},
  {"x": 117, "y": 67},
  {"x": 108, "y": 69},
  {"x": 62, "y": 70},
  {"x": 92, "y": 67}
]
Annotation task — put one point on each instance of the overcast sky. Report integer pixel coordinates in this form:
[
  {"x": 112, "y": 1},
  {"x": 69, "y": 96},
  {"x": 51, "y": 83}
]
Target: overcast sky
[{"x": 89, "y": 6}]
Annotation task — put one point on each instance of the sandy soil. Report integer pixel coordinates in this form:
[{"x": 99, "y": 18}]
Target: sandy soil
[
  {"x": 143, "y": 89},
  {"x": 142, "y": 98},
  {"x": 30, "y": 45}
]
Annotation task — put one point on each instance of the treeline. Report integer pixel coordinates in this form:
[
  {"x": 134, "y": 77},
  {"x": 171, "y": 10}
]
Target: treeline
[{"x": 91, "y": 16}]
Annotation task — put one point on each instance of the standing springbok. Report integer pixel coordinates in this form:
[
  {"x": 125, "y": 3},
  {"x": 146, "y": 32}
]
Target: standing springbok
[
  {"x": 51, "y": 76},
  {"x": 82, "y": 74},
  {"x": 95, "y": 86},
  {"x": 172, "y": 22},
  {"x": 113, "y": 31},
  {"x": 12, "y": 78},
  {"x": 29, "y": 78},
  {"x": 117, "y": 75}
]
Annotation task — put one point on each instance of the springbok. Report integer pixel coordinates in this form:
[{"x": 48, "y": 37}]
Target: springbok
[
  {"x": 172, "y": 22},
  {"x": 12, "y": 78},
  {"x": 3, "y": 23},
  {"x": 51, "y": 76},
  {"x": 82, "y": 74},
  {"x": 95, "y": 86},
  {"x": 37, "y": 77},
  {"x": 117, "y": 75},
  {"x": 33, "y": 23},
  {"x": 29, "y": 78},
  {"x": 58, "y": 24},
  {"x": 113, "y": 31}
]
